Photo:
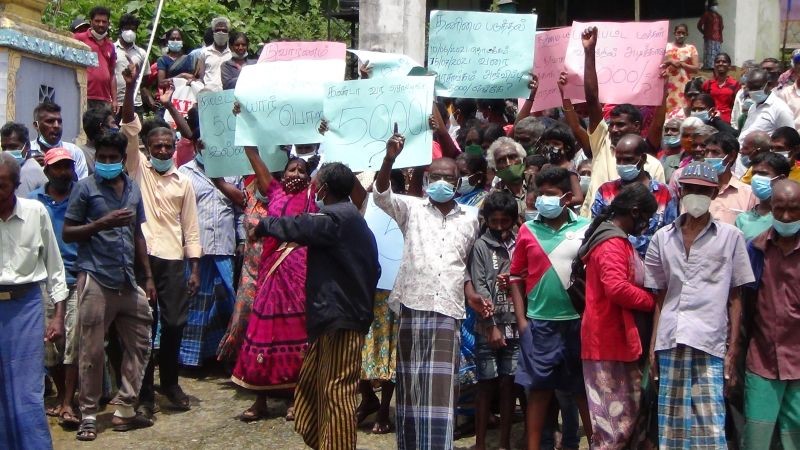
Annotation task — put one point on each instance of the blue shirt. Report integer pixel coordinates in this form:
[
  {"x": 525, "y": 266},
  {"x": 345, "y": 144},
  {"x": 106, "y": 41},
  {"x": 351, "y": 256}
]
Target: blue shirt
[
  {"x": 57, "y": 210},
  {"x": 108, "y": 255}
]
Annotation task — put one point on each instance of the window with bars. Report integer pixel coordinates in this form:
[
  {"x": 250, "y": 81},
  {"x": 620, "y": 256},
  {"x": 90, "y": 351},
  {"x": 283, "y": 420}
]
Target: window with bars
[{"x": 47, "y": 94}]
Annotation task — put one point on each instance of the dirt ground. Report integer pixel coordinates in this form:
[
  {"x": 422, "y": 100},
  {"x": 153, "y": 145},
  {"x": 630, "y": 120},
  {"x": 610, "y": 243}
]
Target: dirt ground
[{"x": 212, "y": 424}]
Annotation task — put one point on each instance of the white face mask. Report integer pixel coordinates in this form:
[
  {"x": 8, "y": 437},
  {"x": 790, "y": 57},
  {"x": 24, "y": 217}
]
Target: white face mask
[
  {"x": 696, "y": 205},
  {"x": 714, "y": 8},
  {"x": 98, "y": 36},
  {"x": 128, "y": 36}
]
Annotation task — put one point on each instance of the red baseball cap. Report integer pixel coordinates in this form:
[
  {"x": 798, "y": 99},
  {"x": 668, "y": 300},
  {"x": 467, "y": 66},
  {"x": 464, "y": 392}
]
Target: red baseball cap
[{"x": 57, "y": 154}]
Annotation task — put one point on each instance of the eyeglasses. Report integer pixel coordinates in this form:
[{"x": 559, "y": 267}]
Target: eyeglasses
[{"x": 434, "y": 177}]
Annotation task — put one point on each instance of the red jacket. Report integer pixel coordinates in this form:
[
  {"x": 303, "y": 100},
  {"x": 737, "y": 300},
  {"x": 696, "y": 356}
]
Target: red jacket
[{"x": 608, "y": 329}]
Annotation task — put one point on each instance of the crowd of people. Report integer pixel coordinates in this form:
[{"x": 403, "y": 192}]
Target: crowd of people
[{"x": 628, "y": 266}]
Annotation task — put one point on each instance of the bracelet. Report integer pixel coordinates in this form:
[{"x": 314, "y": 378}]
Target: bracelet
[{"x": 567, "y": 109}]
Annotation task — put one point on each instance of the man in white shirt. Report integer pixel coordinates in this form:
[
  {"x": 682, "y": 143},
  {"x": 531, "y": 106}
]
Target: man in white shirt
[
  {"x": 768, "y": 112},
  {"x": 128, "y": 53},
  {"x": 48, "y": 123},
  {"x": 211, "y": 59},
  {"x": 29, "y": 260}
]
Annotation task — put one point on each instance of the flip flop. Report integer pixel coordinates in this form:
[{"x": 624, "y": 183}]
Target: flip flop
[
  {"x": 53, "y": 411},
  {"x": 252, "y": 414},
  {"x": 68, "y": 420},
  {"x": 290, "y": 414},
  {"x": 382, "y": 428}
]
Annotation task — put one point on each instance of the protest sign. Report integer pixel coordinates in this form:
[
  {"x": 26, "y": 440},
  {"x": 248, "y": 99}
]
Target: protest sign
[
  {"x": 362, "y": 114},
  {"x": 548, "y": 62},
  {"x": 282, "y": 102},
  {"x": 628, "y": 58},
  {"x": 385, "y": 65},
  {"x": 481, "y": 54},
  {"x": 217, "y": 129},
  {"x": 294, "y": 50}
]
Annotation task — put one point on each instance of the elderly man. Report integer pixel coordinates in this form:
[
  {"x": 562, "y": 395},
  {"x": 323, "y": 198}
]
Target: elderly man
[
  {"x": 48, "y": 123},
  {"x": 528, "y": 131},
  {"x": 696, "y": 265},
  {"x": 14, "y": 141},
  {"x": 29, "y": 257},
  {"x": 210, "y": 61},
  {"x": 506, "y": 157},
  {"x": 428, "y": 297},
  {"x": 753, "y": 144},
  {"x": 768, "y": 112},
  {"x": 101, "y": 85},
  {"x": 772, "y": 380}
]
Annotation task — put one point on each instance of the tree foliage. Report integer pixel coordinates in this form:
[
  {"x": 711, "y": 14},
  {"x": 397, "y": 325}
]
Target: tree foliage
[{"x": 261, "y": 20}]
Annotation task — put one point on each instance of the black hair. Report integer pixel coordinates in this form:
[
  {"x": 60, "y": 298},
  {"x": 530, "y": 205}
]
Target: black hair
[
  {"x": 208, "y": 36},
  {"x": 726, "y": 141},
  {"x": 475, "y": 163},
  {"x": 724, "y": 55},
  {"x": 500, "y": 201},
  {"x": 781, "y": 165},
  {"x": 193, "y": 118},
  {"x": 117, "y": 141},
  {"x": 309, "y": 165},
  {"x": 681, "y": 25},
  {"x": 634, "y": 195},
  {"x": 770, "y": 60},
  {"x": 338, "y": 178},
  {"x": 492, "y": 132},
  {"x": 631, "y": 111},
  {"x": 128, "y": 20},
  {"x": 537, "y": 160},
  {"x": 150, "y": 125},
  {"x": 397, "y": 180},
  {"x": 158, "y": 131},
  {"x": 694, "y": 85},
  {"x": 45, "y": 107},
  {"x": 235, "y": 35},
  {"x": 563, "y": 134},
  {"x": 555, "y": 176},
  {"x": 706, "y": 99},
  {"x": 172, "y": 30},
  {"x": 17, "y": 128},
  {"x": 467, "y": 107},
  {"x": 93, "y": 121},
  {"x": 99, "y": 11},
  {"x": 788, "y": 134}
]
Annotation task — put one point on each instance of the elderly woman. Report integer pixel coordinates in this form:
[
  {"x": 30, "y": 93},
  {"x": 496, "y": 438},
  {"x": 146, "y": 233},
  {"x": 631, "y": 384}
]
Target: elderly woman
[
  {"x": 232, "y": 67},
  {"x": 506, "y": 156}
]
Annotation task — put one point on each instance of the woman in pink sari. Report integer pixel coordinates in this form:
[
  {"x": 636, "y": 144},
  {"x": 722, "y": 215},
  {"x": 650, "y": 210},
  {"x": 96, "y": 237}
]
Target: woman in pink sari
[{"x": 272, "y": 349}]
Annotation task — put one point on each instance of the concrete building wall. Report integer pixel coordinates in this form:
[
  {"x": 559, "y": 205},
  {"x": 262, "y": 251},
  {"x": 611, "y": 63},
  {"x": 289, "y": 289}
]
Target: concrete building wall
[{"x": 397, "y": 25}]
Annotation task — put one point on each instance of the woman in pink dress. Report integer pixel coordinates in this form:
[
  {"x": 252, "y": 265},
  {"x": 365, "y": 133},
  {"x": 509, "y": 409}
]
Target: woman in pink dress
[
  {"x": 272, "y": 349},
  {"x": 680, "y": 64}
]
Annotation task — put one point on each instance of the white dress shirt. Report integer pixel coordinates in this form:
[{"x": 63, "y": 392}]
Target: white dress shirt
[
  {"x": 29, "y": 250},
  {"x": 768, "y": 117},
  {"x": 435, "y": 254},
  {"x": 213, "y": 59}
]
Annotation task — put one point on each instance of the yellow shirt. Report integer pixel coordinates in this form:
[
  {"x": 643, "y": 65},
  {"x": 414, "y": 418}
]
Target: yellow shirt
[
  {"x": 794, "y": 174},
  {"x": 171, "y": 230}
]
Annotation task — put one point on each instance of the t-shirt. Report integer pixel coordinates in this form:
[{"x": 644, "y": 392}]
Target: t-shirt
[
  {"x": 543, "y": 258},
  {"x": 751, "y": 224},
  {"x": 723, "y": 96},
  {"x": 98, "y": 79}
]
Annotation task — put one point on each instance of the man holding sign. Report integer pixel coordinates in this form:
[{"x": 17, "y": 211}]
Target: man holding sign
[{"x": 429, "y": 296}]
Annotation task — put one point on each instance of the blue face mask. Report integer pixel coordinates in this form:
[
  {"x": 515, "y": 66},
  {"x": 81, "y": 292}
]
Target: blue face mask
[
  {"x": 440, "y": 191},
  {"x": 175, "y": 46},
  {"x": 549, "y": 206},
  {"x": 786, "y": 229},
  {"x": 465, "y": 187},
  {"x": 108, "y": 171},
  {"x": 702, "y": 115},
  {"x": 320, "y": 202},
  {"x": 628, "y": 172},
  {"x": 161, "y": 165},
  {"x": 17, "y": 154},
  {"x": 762, "y": 186},
  {"x": 199, "y": 158},
  {"x": 759, "y": 96},
  {"x": 529, "y": 215},
  {"x": 671, "y": 141},
  {"x": 716, "y": 163},
  {"x": 745, "y": 160}
]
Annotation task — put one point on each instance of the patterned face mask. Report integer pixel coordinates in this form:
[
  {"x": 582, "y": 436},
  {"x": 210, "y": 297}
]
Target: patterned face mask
[{"x": 294, "y": 185}]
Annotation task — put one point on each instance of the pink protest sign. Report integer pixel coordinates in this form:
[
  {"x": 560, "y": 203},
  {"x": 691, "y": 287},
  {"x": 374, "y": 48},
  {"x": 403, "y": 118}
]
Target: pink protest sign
[
  {"x": 628, "y": 56},
  {"x": 548, "y": 62},
  {"x": 290, "y": 51}
]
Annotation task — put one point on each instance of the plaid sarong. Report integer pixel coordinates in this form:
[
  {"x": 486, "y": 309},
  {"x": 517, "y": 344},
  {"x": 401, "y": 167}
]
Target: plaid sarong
[
  {"x": 427, "y": 364},
  {"x": 691, "y": 406},
  {"x": 209, "y": 310}
]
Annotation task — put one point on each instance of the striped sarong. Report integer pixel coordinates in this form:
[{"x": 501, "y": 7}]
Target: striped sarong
[
  {"x": 23, "y": 424},
  {"x": 427, "y": 364},
  {"x": 691, "y": 406},
  {"x": 209, "y": 310}
]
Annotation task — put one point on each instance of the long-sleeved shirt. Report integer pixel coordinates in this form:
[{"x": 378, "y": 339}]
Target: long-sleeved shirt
[
  {"x": 29, "y": 250},
  {"x": 343, "y": 267},
  {"x": 435, "y": 254},
  {"x": 221, "y": 226},
  {"x": 172, "y": 230}
]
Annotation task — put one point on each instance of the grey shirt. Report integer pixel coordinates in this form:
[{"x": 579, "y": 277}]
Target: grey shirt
[
  {"x": 108, "y": 255},
  {"x": 31, "y": 177}
]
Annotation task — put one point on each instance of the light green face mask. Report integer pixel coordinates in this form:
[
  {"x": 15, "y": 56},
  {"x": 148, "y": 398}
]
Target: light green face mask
[{"x": 512, "y": 174}]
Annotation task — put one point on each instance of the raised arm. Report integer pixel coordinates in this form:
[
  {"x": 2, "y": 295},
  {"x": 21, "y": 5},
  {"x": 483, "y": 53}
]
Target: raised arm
[
  {"x": 437, "y": 124},
  {"x": 657, "y": 126},
  {"x": 393, "y": 148},
  {"x": 572, "y": 119},
  {"x": 525, "y": 111},
  {"x": 591, "y": 88},
  {"x": 180, "y": 121},
  {"x": 263, "y": 176}
]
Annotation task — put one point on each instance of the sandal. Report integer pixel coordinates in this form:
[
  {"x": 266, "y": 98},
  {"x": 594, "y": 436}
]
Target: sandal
[
  {"x": 363, "y": 413},
  {"x": 290, "y": 414},
  {"x": 382, "y": 428},
  {"x": 252, "y": 414},
  {"x": 53, "y": 411},
  {"x": 87, "y": 430},
  {"x": 131, "y": 423},
  {"x": 68, "y": 420}
]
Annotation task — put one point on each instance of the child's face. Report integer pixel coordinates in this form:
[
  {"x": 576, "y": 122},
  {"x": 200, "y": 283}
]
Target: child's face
[{"x": 500, "y": 221}]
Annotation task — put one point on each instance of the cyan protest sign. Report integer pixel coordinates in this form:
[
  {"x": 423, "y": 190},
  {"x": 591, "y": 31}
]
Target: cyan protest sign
[
  {"x": 385, "y": 65},
  {"x": 481, "y": 54},
  {"x": 362, "y": 115}
]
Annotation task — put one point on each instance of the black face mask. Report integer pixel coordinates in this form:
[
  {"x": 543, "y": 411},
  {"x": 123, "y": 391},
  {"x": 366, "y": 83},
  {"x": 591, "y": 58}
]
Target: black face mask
[
  {"x": 60, "y": 185},
  {"x": 497, "y": 234},
  {"x": 554, "y": 154}
]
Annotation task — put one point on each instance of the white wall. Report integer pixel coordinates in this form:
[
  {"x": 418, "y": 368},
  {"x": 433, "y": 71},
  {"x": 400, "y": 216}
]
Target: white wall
[{"x": 396, "y": 25}]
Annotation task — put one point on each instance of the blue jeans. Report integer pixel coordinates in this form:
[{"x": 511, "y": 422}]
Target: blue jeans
[{"x": 569, "y": 423}]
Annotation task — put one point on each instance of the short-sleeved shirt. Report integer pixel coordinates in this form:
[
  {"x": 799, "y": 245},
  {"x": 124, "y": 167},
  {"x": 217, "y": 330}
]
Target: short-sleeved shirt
[
  {"x": 751, "y": 223},
  {"x": 767, "y": 117},
  {"x": 695, "y": 309},
  {"x": 57, "y": 210},
  {"x": 213, "y": 59},
  {"x": 31, "y": 177},
  {"x": 733, "y": 199},
  {"x": 723, "y": 96},
  {"x": 109, "y": 254},
  {"x": 665, "y": 214},
  {"x": 98, "y": 79},
  {"x": 543, "y": 259}
]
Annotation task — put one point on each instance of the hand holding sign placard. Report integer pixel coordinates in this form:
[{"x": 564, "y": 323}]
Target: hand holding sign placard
[
  {"x": 481, "y": 54},
  {"x": 628, "y": 56},
  {"x": 385, "y": 65},
  {"x": 551, "y": 47},
  {"x": 361, "y": 116}
]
